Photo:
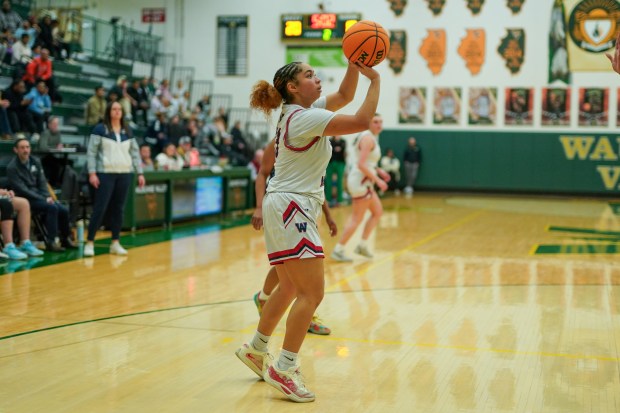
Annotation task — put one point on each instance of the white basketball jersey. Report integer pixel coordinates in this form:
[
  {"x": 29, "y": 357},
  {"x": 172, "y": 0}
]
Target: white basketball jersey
[
  {"x": 302, "y": 154},
  {"x": 373, "y": 157}
]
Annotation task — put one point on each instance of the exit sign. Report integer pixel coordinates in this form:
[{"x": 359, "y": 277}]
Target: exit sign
[{"x": 154, "y": 15}]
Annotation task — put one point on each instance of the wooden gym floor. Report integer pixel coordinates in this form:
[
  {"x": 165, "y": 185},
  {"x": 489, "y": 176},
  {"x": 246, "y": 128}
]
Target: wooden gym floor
[{"x": 473, "y": 303}]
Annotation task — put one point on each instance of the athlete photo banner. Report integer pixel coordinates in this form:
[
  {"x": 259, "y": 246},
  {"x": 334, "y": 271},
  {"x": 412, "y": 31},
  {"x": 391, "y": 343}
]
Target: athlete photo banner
[
  {"x": 555, "y": 107},
  {"x": 519, "y": 104},
  {"x": 412, "y": 105},
  {"x": 593, "y": 107},
  {"x": 482, "y": 106}
]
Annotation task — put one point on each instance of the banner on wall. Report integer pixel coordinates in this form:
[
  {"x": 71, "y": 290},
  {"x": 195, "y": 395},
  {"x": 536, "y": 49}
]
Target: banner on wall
[
  {"x": 433, "y": 50},
  {"x": 447, "y": 106},
  {"x": 475, "y": 6},
  {"x": 519, "y": 103},
  {"x": 592, "y": 27},
  {"x": 515, "y": 5},
  {"x": 472, "y": 50},
  {"x": 555, "y": 107},
  {"x": 482, "y": 106},
  {"x": 558, "y": 53},
  {"x": 436, "y": 6},
  {"x": 512, "y": 49},
  {"x": 397, "y": 6},
  {"x": 412, "y": 105},
  {"x": 397, "y": 56},
  {"x": 593, "y": 106}
]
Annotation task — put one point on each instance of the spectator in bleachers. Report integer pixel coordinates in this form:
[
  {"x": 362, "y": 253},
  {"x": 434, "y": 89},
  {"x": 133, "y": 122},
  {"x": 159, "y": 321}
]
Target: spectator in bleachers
[
  {"x": 184, "y": 106},
  {"x": 10, "y": 204},
  {"x": 239, "y": 141},
  {"x": 21, "y": 52},
  {"x": 157, "y": 105},
  {"x": 45, "y": 37},
  {"x": 194, "y": 132},
  {"x": 205, "y": 107},
  {"x": 95, "y": 107},
  {"x": 126, "y": 101},
  {"x": 146, "y": 86},
  {"x": 40, "y": 105},
  {"x": 6, "y": 46},
  {"x": 51, "y": 137},
  {"x": 228, "y": 151},
  {"x": 32, "y": 30},
  {"x": 27, "y": 179},
  {"x": 40, "y": 68},
  {"x": 59, "y": 171},
  {"x": 164, "y": 90},
  {"x": 222, "y": 113},
  {"x": 145, "y": 157},
  {"x": 61, "y": 50},
  {"x": 176, "y": 129},
  {"x": 19, "y": 115},
  {"x": 6, "y": 133},
  {"x": 140, "y": 102},
  {"x": 190, "y": 155},
  {"x": 9, "y": 19},
  {"x": 179, "y": 89},
  {"x": 169, "y": 159},
  {"x": 157, "y": 133},
  {"x": 254, "y": 164}
]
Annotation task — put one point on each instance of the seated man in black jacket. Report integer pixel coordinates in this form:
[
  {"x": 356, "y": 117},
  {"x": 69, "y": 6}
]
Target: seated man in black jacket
[{"x": 27, "y": 180}]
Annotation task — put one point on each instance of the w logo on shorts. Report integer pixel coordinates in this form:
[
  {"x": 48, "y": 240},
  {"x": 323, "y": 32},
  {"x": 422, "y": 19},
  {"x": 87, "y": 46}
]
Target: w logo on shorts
[{"x": 301, "y": 226}]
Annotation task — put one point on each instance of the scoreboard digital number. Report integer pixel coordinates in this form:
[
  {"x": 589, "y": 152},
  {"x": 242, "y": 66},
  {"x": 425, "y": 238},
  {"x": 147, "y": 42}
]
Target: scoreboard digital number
[{"x": 317, "y": 28}]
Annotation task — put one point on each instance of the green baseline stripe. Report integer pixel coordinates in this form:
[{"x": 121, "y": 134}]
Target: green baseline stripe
[
  {"x": 584, "y": 231},
  {"x": 578, "y": 249}
]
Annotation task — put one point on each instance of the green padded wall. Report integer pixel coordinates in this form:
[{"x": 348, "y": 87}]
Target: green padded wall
[{"x": 514, "y": 161}]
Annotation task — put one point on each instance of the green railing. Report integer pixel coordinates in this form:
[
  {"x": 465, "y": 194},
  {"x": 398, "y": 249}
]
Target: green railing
[{"x": 112, "y": 41}]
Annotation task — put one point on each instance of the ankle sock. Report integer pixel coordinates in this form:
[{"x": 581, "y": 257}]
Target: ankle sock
[
  {"x": 260, "y": 341},
  {"x": 286, "y": 360}
]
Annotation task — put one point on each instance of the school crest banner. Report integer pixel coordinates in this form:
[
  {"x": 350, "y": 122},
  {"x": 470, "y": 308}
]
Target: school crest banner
[{"x": 592, "y": 27}]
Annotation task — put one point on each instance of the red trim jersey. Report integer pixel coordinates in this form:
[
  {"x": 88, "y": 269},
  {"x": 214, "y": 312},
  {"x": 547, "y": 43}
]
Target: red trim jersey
[{"x": 301, "y": 154}]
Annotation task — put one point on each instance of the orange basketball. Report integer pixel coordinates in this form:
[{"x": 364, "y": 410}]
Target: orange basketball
[{"x": 366, "y": 42}]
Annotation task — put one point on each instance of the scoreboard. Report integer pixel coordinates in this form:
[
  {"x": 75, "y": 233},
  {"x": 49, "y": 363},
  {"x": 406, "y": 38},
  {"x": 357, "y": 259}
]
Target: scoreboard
[{"x": 316, "y": 28}]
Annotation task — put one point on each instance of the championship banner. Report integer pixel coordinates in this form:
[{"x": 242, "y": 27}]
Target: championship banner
[
  {"x": 592, "y": 28},
  {"x": 472, "y": 50},
  {"x": 558, "y": 54},
  {"x": 397, "y": 56},
  {"x": 593, "y": 107},
  {"x": 412, "y": 104},
  {"x": 482, "y": 106},
  {"x": 433, "y": 50}
]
